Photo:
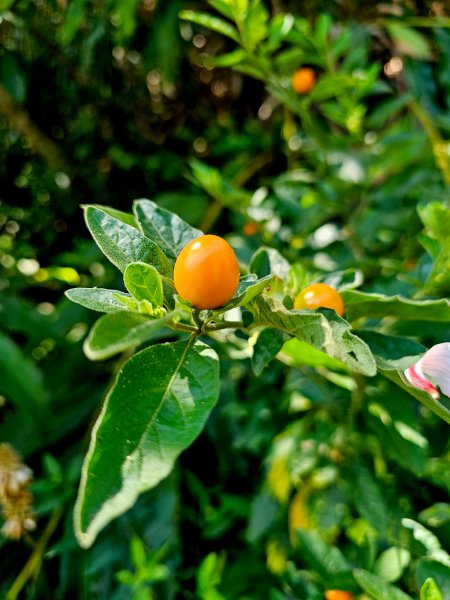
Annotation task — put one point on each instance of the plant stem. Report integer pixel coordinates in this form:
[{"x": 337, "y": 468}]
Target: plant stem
[
  {"x": 33, "y": 565},
  {"x": 183, "y": 327},
  {"x": 224, "y": 325}
]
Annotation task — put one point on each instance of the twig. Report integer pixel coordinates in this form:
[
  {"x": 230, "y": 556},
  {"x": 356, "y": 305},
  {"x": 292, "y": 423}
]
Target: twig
[{"x": 33, "y": 565}]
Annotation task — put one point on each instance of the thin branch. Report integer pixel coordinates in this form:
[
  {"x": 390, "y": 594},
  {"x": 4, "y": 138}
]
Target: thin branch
[
  {"x": 224, "y": 325},
  {"x": 183, "y": 327},
  {"x": 33, "y": 565}
]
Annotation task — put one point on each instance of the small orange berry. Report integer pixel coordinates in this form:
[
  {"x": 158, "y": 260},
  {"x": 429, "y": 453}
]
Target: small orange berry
[
  {"x": 303, "y": 80},
  {"x": 250, "y": 228},
  {"x": 319, "y": 295},
  {"x": 206, "y": 272},
  {"x": 338, "y": 595}
]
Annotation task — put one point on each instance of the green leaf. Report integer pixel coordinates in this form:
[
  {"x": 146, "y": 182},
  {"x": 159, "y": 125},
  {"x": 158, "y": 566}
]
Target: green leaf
[
  {"x": 268, "y": 261},
  {"x": 395, "y": 354},
  {"x": 438, "y": 472},
  {"x": 432, "y": 404},
  {"x": 248, "y": 289},
  {"x": 370, "y": 501},
  {"x": 223, "y": 7},
  {"x": 430, "y": 590},
  {"x": 436, "y": 515},
  {"x": 392, "y": 352},
  {"x": 344, "y": 280},
  {"x": 435, "y": 216},
  {"x": 391, "y": 563},
  {"x": 13, "y": 76},
  {"x": 125, "y": 217},
  {"x": 409, "y": 41},
  {"x": 144, "y": 283},
  {"x": 361, "y": 304},
  {"x": 302, "y": 353},
  {"x": 156, "y": 408},
  {"x": 6, "y": 4},
  {"x": 323, "y": 330},
  {"x": 428, "y": 568},
  {"x": 123, "y": 244},
  {"x": 393, "y": 418},
  {"x": 210, "y": 22},
  {"x": 269, "y": 343},
  {"x": 21, "y": 381},
  {"x": 377, "y": 587},
  {"x": 99, "y": 299},
  {"x": 255, "y": 25},
  {"x": 119, "y": 331},
  {"x": 428, "y": 540},
  {"x": 163, "y": 227},
  {"x": 279, "y": 27},
  {"x": 326, "y": 560}
]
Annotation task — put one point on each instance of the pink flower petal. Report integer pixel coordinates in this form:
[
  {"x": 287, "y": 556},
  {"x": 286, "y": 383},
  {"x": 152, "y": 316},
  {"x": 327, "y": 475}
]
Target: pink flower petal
[
  {"x": 416, "y": 378},
  {"x": 436, "y": 364}
]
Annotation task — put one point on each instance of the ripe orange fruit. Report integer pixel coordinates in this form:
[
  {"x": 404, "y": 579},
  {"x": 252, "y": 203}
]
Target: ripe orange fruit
[
  {"x": 338, "y": 595},
  {"x": 303, "y": 80},
  {"x": 319, "y": 295},
  {"x": 206, "y": 272},
  {"x": 250, "y": 228}
]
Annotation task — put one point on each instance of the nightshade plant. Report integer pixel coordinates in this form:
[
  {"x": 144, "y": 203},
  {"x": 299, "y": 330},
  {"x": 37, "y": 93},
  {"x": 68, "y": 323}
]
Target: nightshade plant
[{"x": 162, "y": 396}]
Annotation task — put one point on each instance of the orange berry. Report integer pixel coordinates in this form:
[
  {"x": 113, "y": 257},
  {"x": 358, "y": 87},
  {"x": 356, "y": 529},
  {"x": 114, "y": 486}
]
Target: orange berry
[
  {"x": 206, "y": 272},
  {"x": 250, "y": 228},
  {"x": 303, "y": 80},
  {"x": 319, "y": 295},
  {"x": 338, "y": 595}
]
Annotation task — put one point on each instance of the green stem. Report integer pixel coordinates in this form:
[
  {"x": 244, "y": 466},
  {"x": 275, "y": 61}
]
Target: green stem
[
  {"x": 357, "y": 399},
  {"x": 33, "y": 565},
  {"x": 183, "y": 327},
  {"x": 224, "y": 325}
]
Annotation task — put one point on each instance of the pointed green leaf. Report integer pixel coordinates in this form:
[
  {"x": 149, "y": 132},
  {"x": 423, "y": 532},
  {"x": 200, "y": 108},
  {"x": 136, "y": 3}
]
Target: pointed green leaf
[
  {"x": 436, "y": 515},
  {"x": 123, "y": 244},
  {"x": 409, "y": 41},
  {"x": 223, "y": 7},
  {"x": 144, "y": 283},
  {"x": 210, "y": 22},
  {"x": 427, "y": 568},
  {"x": 157, "y": 407},
  {"x": 323, "y": 558},
  {"x": 361, "y": 304},
  {"x": 329, "y": 333},
  {"x": 99, "y": 299},
  {"x": 430, "y": 591},
  {"x": 255, "y": 24},
  {"x": 119, "y": 331},
  {"x": 248, "y": 289},
  {"x": 377, "y": 587},
  {"x": 268, "y": 261},
  {"x": 163, "y": 227},
  {"x": 125, "y": 217},
  {"x": 269, "y": 343}
]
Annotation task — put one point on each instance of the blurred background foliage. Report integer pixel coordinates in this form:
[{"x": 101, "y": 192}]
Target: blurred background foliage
[{"x": 306, "y": 471}]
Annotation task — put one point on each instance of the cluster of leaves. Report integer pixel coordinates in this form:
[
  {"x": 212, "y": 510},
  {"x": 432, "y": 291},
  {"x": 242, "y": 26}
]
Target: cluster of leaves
[{"x": 326, "y": 469}]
